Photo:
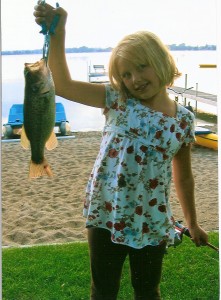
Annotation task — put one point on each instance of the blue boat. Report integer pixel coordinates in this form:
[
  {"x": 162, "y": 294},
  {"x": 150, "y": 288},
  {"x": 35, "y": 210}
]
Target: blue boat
[{"x": 16, "y": 119}]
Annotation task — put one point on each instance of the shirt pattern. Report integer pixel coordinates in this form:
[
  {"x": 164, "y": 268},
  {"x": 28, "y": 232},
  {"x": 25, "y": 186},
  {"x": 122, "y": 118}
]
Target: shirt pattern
[{"x": 129, "y": 187}]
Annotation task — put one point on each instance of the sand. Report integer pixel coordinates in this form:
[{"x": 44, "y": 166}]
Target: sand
[{"x": 49, "y": 210}]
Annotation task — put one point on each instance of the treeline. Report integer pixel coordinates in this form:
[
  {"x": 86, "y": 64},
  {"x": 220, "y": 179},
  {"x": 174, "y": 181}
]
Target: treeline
[
  {"x": 84, "y": 49},
  {"x": 183, "y": 47}
]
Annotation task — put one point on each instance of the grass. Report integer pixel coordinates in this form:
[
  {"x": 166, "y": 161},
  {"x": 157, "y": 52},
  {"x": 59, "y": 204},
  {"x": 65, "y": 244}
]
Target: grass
[
  {"x": 61, "y": 272},
  {"x": 207, "y": 117}
]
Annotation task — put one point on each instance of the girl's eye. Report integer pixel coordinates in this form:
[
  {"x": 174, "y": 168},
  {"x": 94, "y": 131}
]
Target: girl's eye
[
  {"x": 142, "y": 67},
  {"x": 126, "y": 75}
]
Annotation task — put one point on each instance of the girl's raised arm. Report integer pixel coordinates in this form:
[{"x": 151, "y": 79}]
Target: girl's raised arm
[{"x": 78, "y": 91}]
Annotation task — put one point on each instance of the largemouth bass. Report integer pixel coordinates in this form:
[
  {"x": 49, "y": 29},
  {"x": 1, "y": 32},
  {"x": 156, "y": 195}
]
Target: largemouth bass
[{"x": 39, "y": 116}]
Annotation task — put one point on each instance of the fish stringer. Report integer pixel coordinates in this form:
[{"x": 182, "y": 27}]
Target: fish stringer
[{"x": 47, "y": 32}]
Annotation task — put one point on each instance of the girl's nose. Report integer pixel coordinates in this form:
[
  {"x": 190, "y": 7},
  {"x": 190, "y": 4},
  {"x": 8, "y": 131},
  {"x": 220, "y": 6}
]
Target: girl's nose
[{"x": 136, "y": 77}]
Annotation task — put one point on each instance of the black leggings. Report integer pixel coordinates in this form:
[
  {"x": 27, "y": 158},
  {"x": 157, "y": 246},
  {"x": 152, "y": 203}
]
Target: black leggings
[{"x": 107, "y": 260}]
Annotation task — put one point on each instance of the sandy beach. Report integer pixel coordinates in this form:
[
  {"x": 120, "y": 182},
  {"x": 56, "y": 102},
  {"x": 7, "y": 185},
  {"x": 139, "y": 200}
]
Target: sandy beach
[{"x": 49, "y": 210}]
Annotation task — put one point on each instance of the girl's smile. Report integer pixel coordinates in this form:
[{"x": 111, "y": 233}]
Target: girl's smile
[{"x": 140, "y": 80}]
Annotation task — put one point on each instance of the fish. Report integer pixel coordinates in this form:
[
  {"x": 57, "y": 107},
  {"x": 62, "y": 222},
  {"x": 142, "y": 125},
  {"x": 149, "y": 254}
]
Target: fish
[{"x": 39, "y": 116}]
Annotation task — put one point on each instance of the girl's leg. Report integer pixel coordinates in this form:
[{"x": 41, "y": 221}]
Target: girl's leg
[
  {"x": 146, "y": 268},
  {"x": 107, "y": 261}
]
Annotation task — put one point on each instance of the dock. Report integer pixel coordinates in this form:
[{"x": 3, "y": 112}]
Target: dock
[
  {"x": 194, "y": 94},
  {"x": 100, "y": 75}
]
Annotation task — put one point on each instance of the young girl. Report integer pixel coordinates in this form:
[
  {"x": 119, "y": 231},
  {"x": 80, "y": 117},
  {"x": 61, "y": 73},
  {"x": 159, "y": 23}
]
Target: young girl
[{"x": 127, "y": 205}]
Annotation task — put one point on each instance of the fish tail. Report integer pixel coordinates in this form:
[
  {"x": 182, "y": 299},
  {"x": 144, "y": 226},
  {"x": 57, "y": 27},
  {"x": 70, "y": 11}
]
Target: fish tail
[{"x": 38, "y": 170}]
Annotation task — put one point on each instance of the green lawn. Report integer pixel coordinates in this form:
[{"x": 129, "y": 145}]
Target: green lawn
[{"x": 61, "y": 272}]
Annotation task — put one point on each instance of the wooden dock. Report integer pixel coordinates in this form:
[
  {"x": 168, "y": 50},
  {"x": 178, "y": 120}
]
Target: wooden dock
[{"x": 193, "y": 94}]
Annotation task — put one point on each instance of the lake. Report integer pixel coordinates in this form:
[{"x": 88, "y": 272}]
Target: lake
[{"x": 83, "y": 118}]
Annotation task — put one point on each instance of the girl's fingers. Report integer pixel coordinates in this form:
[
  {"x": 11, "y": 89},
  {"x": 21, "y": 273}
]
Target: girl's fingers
[
  {"x": 46, "y": 13},
  {"x": 39, "y": 21}
]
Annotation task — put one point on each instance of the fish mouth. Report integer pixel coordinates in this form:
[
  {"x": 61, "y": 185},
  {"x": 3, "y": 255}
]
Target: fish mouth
[{"x": 37, "y": 66}]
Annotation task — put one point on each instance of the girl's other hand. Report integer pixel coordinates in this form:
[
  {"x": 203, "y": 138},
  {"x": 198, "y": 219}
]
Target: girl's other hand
[
  {"x": 198, "y": 236},
  {"x": 45, "y": 13}
]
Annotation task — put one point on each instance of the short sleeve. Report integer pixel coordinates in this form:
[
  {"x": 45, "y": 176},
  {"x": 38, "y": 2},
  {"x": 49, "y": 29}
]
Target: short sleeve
[
  {"x": 112, "y": 96},
  {"x": 190, "y": 129}
]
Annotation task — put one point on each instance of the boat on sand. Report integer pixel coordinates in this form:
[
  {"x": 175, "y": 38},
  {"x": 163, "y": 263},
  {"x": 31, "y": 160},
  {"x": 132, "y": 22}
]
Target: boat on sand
[{"x": 206, "y": 138}]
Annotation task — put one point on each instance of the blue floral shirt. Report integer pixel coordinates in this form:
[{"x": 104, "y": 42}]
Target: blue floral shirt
[{"x": 129, "y": 187}]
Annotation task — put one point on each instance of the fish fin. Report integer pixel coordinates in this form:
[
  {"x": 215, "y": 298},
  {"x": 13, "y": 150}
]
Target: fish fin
[
  {"x": 52, "y": 142},
  {"x": 38, "y": 170},
  {"x": 24, "y": 140}
]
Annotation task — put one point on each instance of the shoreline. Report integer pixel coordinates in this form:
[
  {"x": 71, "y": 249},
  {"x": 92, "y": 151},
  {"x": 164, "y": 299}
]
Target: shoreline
[{"x": 86, "y": 49}]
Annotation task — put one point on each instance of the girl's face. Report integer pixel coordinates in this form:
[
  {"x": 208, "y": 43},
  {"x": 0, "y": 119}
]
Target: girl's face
[{"x": 141, "y": 80}]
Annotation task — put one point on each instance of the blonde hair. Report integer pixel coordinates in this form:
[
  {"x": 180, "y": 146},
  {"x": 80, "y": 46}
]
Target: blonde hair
[{"x": 143, "y": 47}]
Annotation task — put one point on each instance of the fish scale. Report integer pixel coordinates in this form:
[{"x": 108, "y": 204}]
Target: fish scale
[{"x": 39, "y": 134}]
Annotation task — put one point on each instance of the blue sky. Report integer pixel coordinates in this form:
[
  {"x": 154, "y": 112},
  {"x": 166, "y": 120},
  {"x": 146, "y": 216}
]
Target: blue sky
[{"x": 102, "y": 23}]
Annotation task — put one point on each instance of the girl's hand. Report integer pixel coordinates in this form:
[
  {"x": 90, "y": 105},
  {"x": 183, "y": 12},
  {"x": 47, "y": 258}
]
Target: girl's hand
[
  {"x": 45, "y": 13},
  {"x": 198, "y": 235}
]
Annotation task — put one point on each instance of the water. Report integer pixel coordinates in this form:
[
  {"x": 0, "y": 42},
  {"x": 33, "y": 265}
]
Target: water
[{"x": 84, "y": 118}]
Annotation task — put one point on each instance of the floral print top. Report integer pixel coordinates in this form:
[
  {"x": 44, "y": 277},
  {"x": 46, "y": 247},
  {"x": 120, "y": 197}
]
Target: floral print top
[{"x": 129, "y": 187}]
